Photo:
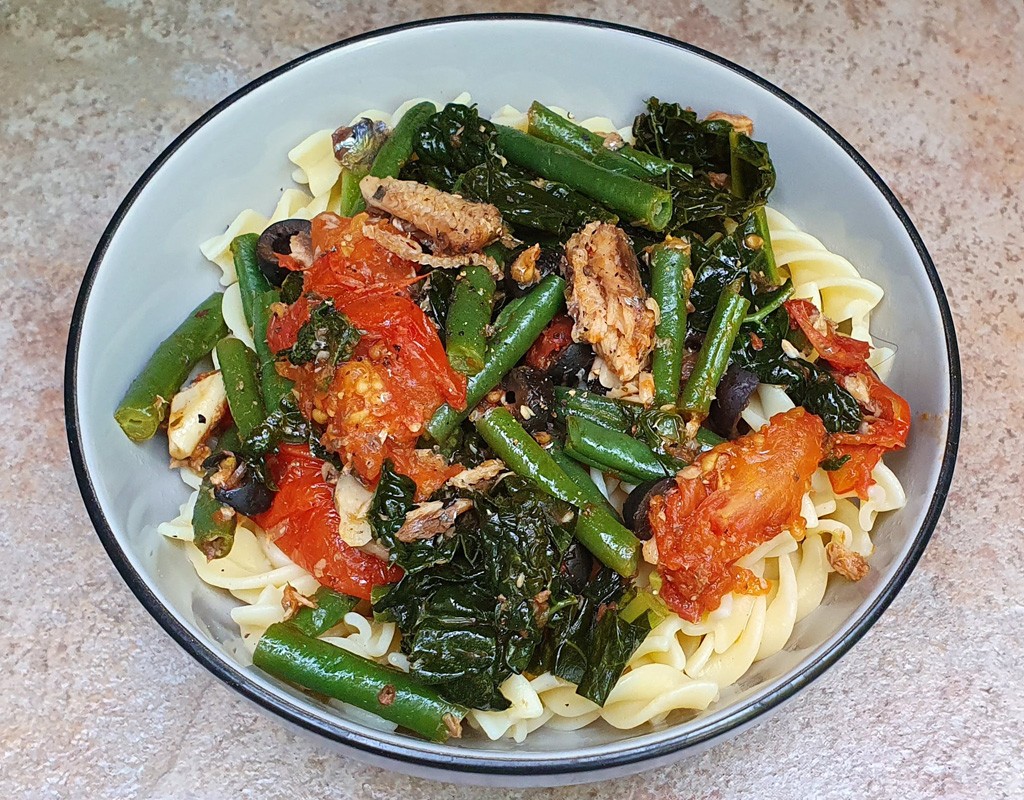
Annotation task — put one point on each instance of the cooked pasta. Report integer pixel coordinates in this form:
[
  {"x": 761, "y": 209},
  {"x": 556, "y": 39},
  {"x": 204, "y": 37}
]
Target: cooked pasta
[{"x": 686, "y": 651}]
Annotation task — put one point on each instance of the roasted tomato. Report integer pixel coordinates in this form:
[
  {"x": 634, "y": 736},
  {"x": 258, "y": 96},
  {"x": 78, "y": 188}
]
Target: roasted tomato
[
  {"x": 855, "y": 474},
  {"x": 887, "y": 415},
  {"x": 842, "y": 352},
  {"x": 886, "y": 427},
  {"x": 376, "y": 405},
  {"x": 552, "y": 341},
  {"x": 304, "y": 522},
  {"x": 736, "y": 496}
]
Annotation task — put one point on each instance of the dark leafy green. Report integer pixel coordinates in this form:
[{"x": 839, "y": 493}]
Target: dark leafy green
[
  {"x": 806, "y": 384},
  {"x": 714, "y": 149},
  {"x": 716, "y": 263},
  {"x": 483, "y": 604},
  {"x": 284, "y": 424},
  {"x": 590, "y": 643},
  {"x": 438, "y": 296},
  {"x": 525, "y": 203},
  {"x": 832, "y": 463},
  {"x": 392, "y": 500},
  {"x": 291, "y": 287},
  {"x": 327, "y": 338},
  {"x": 450, "y": 143}
]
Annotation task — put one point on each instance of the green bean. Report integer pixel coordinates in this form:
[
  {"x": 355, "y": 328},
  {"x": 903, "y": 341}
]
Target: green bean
[
  {"x": 391, "y": 157},
  {"x": 772, "y": 303},
  {"x": 641, "y": 203},
  {"x": 546, "y": 124},
  {"x": 351, "y": 198},
  {"x": 611, "y": 451},
  {"x": 146, "y": 402},
  {"x": 213, "y": 524},
  {"x": 398, "y": 148},
  {"x": 513, "y": 335},
  {"x": 598, "y": 530},
  {"x": 618, "y": 415},
  {"x": 238, "y": 368},
  {"x": 273, "y": 385},
  {"x": 251, "y": 280},
  {"x": 670, "y": 263},
  {"x": 757, "y": 237},
  {"x": 468, "y": 318},
  {"x": 287, "y": 653},
  {"x": 580, "y": 477},
  {"x": 331, "y": 608},
  {"x": 713, "y": 358},
  {"x": 708, "y": 439}
]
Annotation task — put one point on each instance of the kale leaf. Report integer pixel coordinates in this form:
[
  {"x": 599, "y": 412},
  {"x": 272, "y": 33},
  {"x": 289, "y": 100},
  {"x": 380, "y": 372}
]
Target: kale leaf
[
  {"x": 525, "y": 203},
  {"x": 452, "y": 142},
  {"x": 392, "y": 500},
  {"x": 712, "y": 148},
  {"x": 328, "y": 337},
  {"x": 589, "y": 643},
  {"x": 489, "y": 598},
  {"x": 440, "y": 288},
  {"x": 807, "y": 384}
]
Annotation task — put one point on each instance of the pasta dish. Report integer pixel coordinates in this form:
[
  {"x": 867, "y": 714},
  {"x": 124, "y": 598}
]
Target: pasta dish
[{"x": 521, "y": 421}]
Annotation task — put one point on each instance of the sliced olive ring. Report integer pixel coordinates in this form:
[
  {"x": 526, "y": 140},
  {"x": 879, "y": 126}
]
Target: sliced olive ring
[{"x": 277, "y": 240}]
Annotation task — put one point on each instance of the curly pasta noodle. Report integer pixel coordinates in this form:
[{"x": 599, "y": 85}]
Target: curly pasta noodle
[{"x": 680, "y": 667}]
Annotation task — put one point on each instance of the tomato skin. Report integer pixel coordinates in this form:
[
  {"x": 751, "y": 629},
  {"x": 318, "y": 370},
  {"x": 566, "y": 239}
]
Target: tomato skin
[
  {"x": 376, "y": 404},
  {"x": 887, "y": 424},
  {"x": 842, "y": 352},
  {"x": 886, "y": 427},
  {"x": 305, "y": 522},
  {"x": 552, "y": 341},
  {"x": 738, "y": 495},
  {"x": 413, "y": 344},
  {"x": 855, "y": 474}
]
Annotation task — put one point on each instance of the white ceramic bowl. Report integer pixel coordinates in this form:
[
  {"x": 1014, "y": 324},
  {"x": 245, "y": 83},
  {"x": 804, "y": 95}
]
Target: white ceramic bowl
[{"x": 147, "y": 272}]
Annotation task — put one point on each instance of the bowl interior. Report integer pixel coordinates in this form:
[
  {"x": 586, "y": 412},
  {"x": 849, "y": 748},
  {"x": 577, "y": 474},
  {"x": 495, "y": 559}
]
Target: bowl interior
[{"x": 149, "y": 273}]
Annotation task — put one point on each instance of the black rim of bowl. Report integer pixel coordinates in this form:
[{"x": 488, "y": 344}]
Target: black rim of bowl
[{"x": 456, "y": 758}]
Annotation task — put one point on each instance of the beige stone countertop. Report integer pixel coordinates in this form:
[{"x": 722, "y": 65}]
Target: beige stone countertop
[{"x": 96, "y": 701}]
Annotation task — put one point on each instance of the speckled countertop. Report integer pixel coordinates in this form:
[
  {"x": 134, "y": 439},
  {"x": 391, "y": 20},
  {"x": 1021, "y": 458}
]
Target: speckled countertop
[{"x": 97, "y": 702}]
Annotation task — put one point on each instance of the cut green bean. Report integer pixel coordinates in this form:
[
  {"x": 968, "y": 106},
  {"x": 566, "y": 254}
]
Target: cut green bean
[
  {"x": 391, "y": 157},
  {"x": 708, "y": 439},
  {"x": 757, "y": 237},
  {"x": 331, "y": 608},
  {"x": 611, "y": 451},
  {"x": 618, "y": 415},
  {"x": 641, "y": 203},
  {"x": 546, "y": 124},
  {"x": 713, "y": 358},
  {"x": 397, "y": 150},
  {"x": 508, "y": 344},
  {"x": 468, "y": 318},
  {"x": 251, "y": 281},
  {"x": 238, "y": 368},
  {"x": 772, "y": 303},
  {"x": 351, "y": 198},
  {"x": 287, "y": 653},
  {"x": 581, "y": 477},
  {"x": 213, "y": 524},
  {"x": 146, "y": 402},
  {"x": 670, "y": 263},
  {"x": 273, "y": 386},
  {"x": 599, "y": 531}
]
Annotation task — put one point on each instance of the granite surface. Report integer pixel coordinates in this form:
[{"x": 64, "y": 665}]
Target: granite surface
[{"x": 97, "y": 702}]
